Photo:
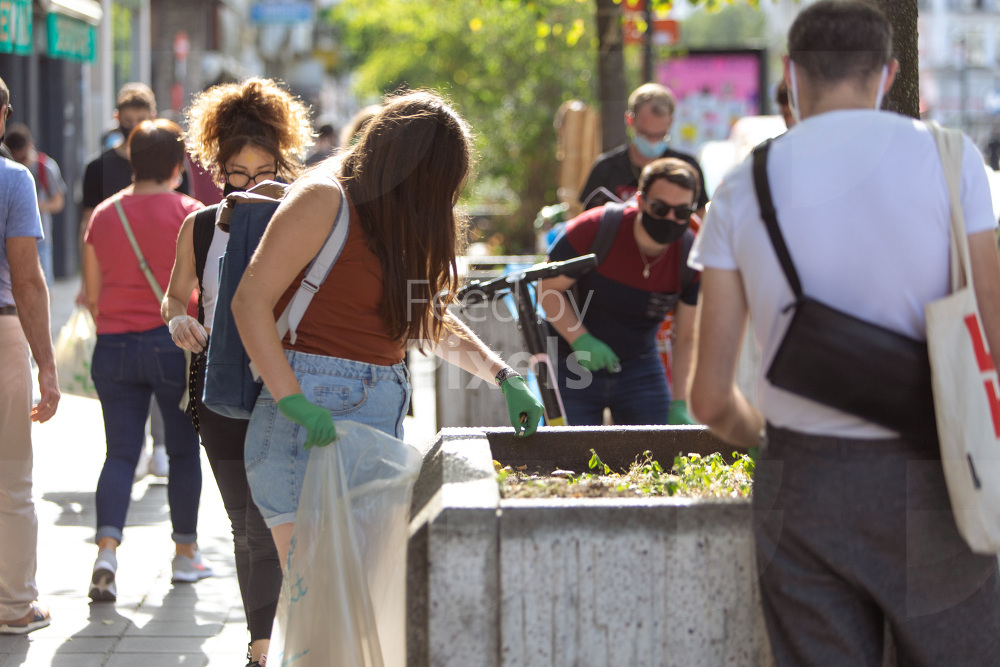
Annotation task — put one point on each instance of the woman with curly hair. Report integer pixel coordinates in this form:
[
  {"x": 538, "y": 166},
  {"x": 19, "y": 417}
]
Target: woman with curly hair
[{"x": 243, "y": 133}]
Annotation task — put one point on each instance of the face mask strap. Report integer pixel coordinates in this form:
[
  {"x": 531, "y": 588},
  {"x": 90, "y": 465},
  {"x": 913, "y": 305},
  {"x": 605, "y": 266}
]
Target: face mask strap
[
  {"x": 881, "y": 85},
  {"x": 793, "y": 92}
]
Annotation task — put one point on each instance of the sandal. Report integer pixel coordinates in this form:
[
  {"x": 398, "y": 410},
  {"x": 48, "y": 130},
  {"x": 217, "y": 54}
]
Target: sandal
[{"x": 40, "y": 618}]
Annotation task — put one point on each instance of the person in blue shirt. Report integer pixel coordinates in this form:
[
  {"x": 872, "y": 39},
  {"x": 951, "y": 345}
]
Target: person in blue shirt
[{"x": 24, "y": 326}]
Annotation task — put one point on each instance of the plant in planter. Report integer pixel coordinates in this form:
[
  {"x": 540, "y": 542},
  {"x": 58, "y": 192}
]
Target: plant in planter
[{"x": 691, "y": 476}]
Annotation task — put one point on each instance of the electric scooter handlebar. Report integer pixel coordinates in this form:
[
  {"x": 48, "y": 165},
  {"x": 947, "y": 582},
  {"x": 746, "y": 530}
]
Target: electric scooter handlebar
[{"x": 478, "y": 292}]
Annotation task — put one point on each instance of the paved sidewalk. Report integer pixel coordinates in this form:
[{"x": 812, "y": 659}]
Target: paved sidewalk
[{"x": 154, "y": 623}]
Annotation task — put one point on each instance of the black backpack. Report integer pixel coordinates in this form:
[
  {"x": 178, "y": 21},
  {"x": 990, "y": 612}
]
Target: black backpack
[{"x": 611, "y": 220}]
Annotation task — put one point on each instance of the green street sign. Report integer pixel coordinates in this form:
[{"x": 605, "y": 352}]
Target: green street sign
[
  {"x": 15, "y": 27},
  {"x": 71, "y": 39}
]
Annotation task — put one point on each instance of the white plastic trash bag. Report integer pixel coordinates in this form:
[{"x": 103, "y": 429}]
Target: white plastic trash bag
[
  {"x": 74, "y": 351},
  {"x": 343, "y": 598}
]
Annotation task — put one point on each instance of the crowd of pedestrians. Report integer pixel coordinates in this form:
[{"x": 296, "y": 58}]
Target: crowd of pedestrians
[
  {"x": 864, "y": 208},
  {"x": 147, "y": 248}
]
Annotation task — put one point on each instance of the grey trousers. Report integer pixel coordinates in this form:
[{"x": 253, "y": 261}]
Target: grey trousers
[{"x": 853, "y": 535}]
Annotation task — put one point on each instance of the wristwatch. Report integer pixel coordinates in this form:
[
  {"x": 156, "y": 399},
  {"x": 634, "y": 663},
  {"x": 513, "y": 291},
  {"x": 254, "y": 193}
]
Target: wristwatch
[{"x": 505, "y": 372}]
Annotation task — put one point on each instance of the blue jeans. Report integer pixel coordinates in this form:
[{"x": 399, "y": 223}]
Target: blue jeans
[
  {"x": 127, "y": 369},
  {"x": 275, "y": 454},
  {"x": 636, "y": 395}
]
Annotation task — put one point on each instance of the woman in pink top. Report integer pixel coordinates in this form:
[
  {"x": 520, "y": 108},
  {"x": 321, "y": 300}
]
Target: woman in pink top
[{"x": 134, "y": 357}]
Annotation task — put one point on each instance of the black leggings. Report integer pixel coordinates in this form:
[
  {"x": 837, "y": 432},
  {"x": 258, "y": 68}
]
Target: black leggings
[{"x": 257, "y": 565}]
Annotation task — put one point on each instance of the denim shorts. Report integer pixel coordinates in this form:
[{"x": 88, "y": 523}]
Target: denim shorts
[{"x": 275, "y": 454}]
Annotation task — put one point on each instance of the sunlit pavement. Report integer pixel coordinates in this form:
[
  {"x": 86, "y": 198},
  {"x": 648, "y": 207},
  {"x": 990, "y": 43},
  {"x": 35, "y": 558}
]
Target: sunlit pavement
[{"x": 154, "y": 622}]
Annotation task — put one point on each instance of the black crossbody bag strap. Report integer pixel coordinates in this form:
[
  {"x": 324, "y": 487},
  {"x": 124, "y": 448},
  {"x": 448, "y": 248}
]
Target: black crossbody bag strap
[
  {"x": 763, "y": 187},
  {"x": 839, "y": 360}
]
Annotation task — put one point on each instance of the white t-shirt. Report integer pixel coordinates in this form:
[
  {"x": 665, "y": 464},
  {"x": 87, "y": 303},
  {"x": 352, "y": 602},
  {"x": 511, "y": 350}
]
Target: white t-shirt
[
  {"x": 213, "y": 269},
  {"x": 863, "y": 205}
]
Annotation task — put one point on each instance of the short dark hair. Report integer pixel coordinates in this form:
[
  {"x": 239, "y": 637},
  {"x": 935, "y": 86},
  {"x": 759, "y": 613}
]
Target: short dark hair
[
  {"x": 835, "y": 40},
  {"x": 17, "y": 137},
  {"x": 136, "y": 96},
  {"x": 155, "y": 148},
  {"x": 675, "y": 171}
]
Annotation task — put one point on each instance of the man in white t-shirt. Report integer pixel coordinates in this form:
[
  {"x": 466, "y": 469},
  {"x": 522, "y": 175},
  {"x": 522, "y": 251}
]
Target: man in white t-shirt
[{"x": 852, "y": 521}]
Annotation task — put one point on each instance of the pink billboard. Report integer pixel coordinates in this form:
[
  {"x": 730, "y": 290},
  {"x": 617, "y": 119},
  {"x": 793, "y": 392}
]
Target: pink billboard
[{"x": 713, "y": 90}]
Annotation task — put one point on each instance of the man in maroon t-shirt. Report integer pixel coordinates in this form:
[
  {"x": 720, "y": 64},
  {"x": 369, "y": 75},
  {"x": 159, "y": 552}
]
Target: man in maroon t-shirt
[{"x": 606, "y": 327}]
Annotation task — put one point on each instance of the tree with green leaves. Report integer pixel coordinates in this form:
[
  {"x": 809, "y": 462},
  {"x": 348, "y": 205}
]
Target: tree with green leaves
[
  {"x": 506, "y": 64},
  {"x": 509, "y": 64}
]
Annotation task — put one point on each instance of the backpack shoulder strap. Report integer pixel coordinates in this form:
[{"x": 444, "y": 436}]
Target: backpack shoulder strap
[
  {"x": 318, "y": 270},
  {"x": 607, "y": 230},
  {"x": 687, "y": 273},
  {"x": 204, "y": 232},
  {"x": 316, "y": 274}
]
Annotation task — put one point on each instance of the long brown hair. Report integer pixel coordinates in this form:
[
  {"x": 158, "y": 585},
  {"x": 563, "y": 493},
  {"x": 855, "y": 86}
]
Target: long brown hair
[{"x": 404, "y": 177}]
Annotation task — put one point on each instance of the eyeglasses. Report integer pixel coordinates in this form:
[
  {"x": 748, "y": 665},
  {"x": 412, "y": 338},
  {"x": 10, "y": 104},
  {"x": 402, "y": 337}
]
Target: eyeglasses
[
  {"x": 241, "y": 179},
  {"x": 662, "y": 209}
]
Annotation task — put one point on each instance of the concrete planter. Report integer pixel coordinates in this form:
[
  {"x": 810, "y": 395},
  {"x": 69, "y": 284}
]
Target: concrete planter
[{"x": 588, "y": 582}]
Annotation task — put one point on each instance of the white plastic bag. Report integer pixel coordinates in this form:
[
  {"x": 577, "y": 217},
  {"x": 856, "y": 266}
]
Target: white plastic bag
[
  {"x": 74, "y": 351},
  {"x": 343, "y": 598}
]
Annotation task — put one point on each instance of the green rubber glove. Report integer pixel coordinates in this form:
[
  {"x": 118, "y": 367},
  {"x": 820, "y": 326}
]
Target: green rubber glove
[
  {"x": 678, "y": 415},
  {"x": 595, "y": 354},
  {"x": 320, "y": 430},
  {"x": 524, "y": 409}
]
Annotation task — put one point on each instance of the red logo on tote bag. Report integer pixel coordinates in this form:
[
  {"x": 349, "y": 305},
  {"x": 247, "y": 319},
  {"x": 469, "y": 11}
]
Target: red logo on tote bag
[{"x": 985, "y": 363}]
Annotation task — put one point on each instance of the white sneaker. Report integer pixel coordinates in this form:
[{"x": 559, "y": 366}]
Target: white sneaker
[
  {"x": 102, "y": 582},
  {"x": 159, "y": 464},
  {"x": 190, "y": 570},
  {"x": 142, "y": 467}
]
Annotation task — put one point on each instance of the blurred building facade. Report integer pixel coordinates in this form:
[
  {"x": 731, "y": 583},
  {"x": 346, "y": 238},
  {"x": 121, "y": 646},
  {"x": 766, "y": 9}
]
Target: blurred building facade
[
  {"x": 47, "y": 48},
  {"x": 64, "y": 61},
  {"x": 959, "y": 43}
]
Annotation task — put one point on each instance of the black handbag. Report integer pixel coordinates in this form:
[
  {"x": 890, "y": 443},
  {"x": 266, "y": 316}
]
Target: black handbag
[{"x": 841, "y": 361}]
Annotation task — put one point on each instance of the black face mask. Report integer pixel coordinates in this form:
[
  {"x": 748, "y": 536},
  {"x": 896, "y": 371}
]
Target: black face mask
[
  {"x": 228, "y": 189},
  {"x": 125, "y": 131},
  {"x": 662, "y": 230}
]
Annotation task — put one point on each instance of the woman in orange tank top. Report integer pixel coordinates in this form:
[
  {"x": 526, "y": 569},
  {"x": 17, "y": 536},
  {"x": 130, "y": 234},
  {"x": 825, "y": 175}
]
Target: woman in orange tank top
[{"x": 388, "y": 291}]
